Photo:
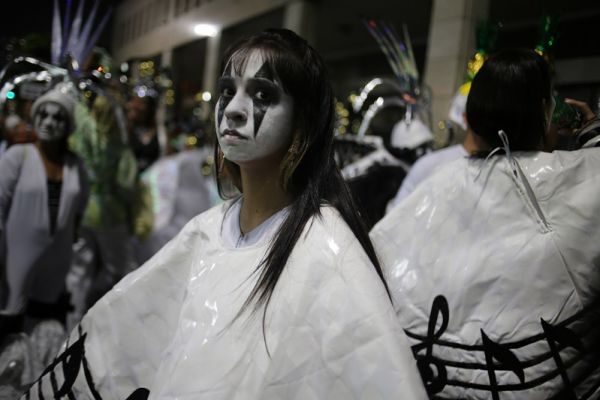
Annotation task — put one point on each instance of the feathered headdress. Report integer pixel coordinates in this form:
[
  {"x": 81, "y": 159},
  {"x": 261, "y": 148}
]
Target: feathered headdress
[
  {"x": 411, "y": 94},
  {"x": 398, "y": 53},
  {"x": 75, "y": 40},
  {"x": 400, "y": 57},
  {"x": 72, "y": 42}
]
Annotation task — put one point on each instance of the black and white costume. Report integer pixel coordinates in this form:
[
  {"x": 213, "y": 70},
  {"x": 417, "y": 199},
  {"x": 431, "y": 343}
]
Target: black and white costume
[
  {"x": 494, "y": 267},
  {"x": 168, "y": 330}
]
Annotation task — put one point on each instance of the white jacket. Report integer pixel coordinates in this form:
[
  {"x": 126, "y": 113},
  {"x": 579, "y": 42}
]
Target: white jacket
[
  {"x": 167, "y": 329},
  {"x": 480, "y": 254}
]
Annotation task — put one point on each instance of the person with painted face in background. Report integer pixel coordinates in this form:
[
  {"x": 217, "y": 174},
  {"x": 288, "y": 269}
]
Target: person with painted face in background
[
  {"x": 493, "y": 262},
  {"x": 43, "y": 192},
  {"x": 142, "y": 130},
  {"x": 274, "y": 294}
]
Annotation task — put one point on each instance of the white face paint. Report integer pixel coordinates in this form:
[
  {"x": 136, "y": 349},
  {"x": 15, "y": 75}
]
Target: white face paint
[
  {"x": 254, "y": 116},
  {"x": 50, "y": 122}
]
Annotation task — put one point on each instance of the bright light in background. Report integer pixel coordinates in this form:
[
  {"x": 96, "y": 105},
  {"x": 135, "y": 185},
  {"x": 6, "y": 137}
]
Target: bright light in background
[
  {"x": 205, "y": 30},
  {"x": 141, "y": 91},
  {"x": 11, "y": 95},
  {"x": 206, "y": 96}
]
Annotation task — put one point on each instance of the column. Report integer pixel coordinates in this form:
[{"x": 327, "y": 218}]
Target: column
[
  {"x": 211, "y": 63},
  {"x": 162, "y": 114},
  {"x": 211, "y": 72},
  {"x": 451, "y": 45},
  {"x": 166, "y": 58},
  {"x": 300, "y": 16}
]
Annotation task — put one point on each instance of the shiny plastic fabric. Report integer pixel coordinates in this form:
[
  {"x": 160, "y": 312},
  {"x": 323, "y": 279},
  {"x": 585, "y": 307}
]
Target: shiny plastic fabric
[
  {"x": 495, "y": 273},
  {"x": 168, "y": 330}
]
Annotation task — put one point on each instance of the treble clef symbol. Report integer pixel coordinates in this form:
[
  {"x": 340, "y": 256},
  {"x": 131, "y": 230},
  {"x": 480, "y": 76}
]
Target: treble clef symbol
[{"x": 434, "y": 380}]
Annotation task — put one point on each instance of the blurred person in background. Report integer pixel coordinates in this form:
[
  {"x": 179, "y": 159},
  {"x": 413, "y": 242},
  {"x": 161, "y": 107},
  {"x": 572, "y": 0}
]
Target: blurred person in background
[
  {"x": 141, "y": 126},
  {"x": 182, "y": 186},
  {"x": 43, "y": 194},
  {"x": 104, "y": 254}
]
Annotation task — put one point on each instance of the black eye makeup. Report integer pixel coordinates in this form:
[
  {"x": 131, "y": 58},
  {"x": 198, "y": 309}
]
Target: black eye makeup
[
  {"x": 263, "y": 90},
  {"x": 226, "y": 86},
  {"x": 58, "y": 115}
]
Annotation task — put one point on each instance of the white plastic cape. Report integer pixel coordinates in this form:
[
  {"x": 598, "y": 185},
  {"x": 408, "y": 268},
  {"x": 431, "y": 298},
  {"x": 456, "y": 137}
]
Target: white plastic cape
[
  {"x": 166, "y": 330},
  {"x": 495, "y": 273}
]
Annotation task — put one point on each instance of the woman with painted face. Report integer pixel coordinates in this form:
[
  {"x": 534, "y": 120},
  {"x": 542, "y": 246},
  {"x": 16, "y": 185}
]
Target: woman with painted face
[
  {"x": 43, "y": 192},
  {"x": 493, "y": 262},
  {"x": 274, "y": 294}
]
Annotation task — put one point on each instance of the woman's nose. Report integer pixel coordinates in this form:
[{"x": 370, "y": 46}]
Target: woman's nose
[{"x": 238, "y": 108}]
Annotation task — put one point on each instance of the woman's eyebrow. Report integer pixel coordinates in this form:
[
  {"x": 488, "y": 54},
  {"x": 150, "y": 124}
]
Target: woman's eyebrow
[
  {"x": 225, "y": 79},
  {"x": 265, "y": 72},
  {"x": 263, "y": 81}
]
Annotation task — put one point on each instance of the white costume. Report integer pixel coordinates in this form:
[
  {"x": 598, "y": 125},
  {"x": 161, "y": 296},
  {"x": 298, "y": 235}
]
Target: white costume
[
  {"x": 495, "y": 272},
  {"x": 180, "y": 191},
  {"x": 423, "y": 168},
  {"x": 168, "y": 330},
  {"x": 36, "y": 261}
]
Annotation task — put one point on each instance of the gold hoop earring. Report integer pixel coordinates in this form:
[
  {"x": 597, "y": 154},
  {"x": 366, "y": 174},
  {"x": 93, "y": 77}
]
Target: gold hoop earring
[
  {"x": 221, "y": 164},
  {"x": 294, "y": 149}
]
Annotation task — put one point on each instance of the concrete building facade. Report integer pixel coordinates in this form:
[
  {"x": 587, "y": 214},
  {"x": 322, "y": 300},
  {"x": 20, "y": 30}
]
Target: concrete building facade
[{"x": 442, "y": 31}]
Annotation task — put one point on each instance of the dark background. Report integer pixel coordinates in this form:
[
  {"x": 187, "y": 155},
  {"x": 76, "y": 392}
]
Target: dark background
[{"x": 26, "y": 25}]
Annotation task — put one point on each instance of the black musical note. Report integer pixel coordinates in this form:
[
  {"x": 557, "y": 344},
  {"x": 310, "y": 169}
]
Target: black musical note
[
  {"x": 562, "y": 335},
  {"x": 71, "y": 360},
  {"x": 505, "y": 358},
  {"x": 570, "y": 332},
  {"x": 434, "y": 380},
  {"x": 139, "y": 394}
]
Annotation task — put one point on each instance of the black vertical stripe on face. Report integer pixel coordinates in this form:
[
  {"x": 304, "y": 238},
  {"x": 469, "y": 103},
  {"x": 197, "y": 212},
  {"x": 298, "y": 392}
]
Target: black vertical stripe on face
[
  {"x": 223, "y": 101},
  {"x": 259, "y": 108}
]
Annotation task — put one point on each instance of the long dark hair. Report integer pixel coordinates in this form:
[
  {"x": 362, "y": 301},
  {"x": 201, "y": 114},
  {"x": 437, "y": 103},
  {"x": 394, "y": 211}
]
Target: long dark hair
[
  {"x": 309, "y": 171},
  {"x": 510, "y": 93}
]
